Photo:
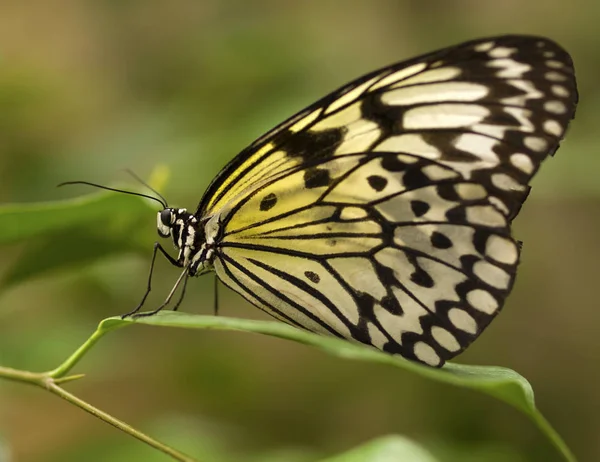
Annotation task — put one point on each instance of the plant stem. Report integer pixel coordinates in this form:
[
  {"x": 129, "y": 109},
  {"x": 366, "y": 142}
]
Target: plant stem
[
  {"x": 53, "y": 388},
  {"x": 554, "y": 436},
  {"x": 47, "y": 382},
  {"x": 20, "y": 376},
  {"x": 72, "y": 360}
]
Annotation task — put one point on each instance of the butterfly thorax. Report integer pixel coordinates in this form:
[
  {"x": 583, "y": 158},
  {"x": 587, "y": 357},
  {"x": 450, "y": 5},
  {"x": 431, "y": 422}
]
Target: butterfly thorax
[{"x": 189, "y": 238}]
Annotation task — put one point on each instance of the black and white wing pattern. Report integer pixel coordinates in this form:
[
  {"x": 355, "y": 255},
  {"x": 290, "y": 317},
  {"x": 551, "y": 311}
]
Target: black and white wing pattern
[{"x": 382, "y": 212}]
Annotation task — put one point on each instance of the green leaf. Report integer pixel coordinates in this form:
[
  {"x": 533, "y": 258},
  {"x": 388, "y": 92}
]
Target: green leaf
[
  {"x": 70, "y": 249},
  {"x": 21, "y": 222},
  {"x": 74, "y": 232},
  {"x": 386, "y": 449},
  {"x": 499, "y": 382}
]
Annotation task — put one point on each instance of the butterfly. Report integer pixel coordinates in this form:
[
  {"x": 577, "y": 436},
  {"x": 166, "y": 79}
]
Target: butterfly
[{"x": 382, "y": 213}]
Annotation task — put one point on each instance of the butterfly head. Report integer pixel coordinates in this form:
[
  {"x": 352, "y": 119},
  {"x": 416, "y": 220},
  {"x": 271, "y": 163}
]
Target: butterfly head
[{"x": 178, "y": 223}]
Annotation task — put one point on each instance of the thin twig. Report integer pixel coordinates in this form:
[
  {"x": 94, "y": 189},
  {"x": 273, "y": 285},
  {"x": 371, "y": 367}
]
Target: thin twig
[{"x": 47, "y": 382}]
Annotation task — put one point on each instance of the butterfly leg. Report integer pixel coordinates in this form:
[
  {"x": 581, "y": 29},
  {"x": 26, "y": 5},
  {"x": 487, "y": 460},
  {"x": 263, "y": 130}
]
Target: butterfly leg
[
  {"x": 216, "y": 300},
  {"x": 174, "y": 262},
  {"x": 182, "y": 292},
  {"x": 184, "y": 276}
]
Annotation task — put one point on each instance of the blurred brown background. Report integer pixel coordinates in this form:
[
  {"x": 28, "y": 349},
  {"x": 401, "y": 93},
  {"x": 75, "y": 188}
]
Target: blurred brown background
[{"x": 88, "y": 88}]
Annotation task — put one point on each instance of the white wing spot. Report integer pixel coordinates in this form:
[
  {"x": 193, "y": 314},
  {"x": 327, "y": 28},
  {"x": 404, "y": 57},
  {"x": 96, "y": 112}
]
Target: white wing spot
[
  {"x": 444, "y": 116},
  {"x": 506, "y": 182},
  {"x": 432, "y": 75},
  {"x": 522, "y": 162},
  {"x": 438, "y": 173},
  {"x": 425, "y": 353},
  {"x": 501, "y": 249},
  {"x": 559, "y": 90},
  {"x": 434, "y": 93},
  {"x": 470, "y": 191},
  {"x": 509, "y": 68},
  {"x": 499, "y": 204},
  {"x": 552, "y": 127},
  {"x": 485, "y": 46},
  {"x": 399, "y": 75},
  {"x": 554, "y": 64},
  {"x": 548, "y": 54},
  {"x": 479, "y": 145},
  {"x": 462, "y": 320},
  {"x": 554, "y": 76},
  {"x": 491, "y": 274},
  {"x": 445, "y": 339},
  {"x": 353, "y": 213},
  {"x": 501, "y": 52},
  {"x": 536, "y": 143},
  {"x": 555, "y": 107},
  {"x": 410, "y": 143},
  {"x": 482, "y": 301},
  {"x": 485, "y": 215}
]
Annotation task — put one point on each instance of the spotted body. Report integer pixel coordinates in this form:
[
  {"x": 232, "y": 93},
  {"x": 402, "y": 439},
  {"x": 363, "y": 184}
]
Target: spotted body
[{"x": 382, "y": 212}]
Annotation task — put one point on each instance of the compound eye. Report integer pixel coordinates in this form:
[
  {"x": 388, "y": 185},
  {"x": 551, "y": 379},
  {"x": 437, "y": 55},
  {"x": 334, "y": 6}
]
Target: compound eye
[
  {"x": 164, "y": 222},
  {"x": 166, "y": 217}
]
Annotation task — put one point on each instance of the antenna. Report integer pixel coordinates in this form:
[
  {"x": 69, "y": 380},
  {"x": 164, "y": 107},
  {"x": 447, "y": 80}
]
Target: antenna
[
  {"x": 162, "y": 201},
  {"x": 147, "y": 185}
]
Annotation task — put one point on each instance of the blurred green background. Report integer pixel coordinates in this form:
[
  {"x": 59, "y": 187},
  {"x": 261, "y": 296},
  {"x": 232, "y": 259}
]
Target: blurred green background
[{"x": 89, "y": 88}]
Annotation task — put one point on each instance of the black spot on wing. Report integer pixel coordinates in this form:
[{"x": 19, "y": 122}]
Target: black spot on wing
[
  {"x": 456, "y": 215},
  {"x": 386, "y": 275},
  {"x": 313, "y": 277},
  {"x": 365, "y": 303},
  {"x": 377, "y": 182},
  {"x": 390, "y": 303},
  {"x": 316, "y": 178},
  {"x": 422, "y": 278},
  {"x": 440, "y": 241},
  {"x": 311, "y": 145},
  {"x": 391, "y": 163},
  {"x": 419, "y": 208},
  {"x": 268, "y": 202},
  {"x": 414, "y": 178}
]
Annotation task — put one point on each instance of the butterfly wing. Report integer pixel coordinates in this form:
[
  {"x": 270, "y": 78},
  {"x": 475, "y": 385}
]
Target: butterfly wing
[
  {"x": 382, "y": 213},
  {"x": 494, "y": 107}
]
